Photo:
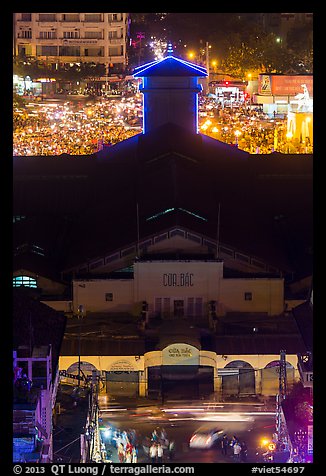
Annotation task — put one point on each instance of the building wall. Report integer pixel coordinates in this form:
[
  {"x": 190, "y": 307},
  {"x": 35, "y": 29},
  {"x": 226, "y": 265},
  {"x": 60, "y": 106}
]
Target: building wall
[
  {"x": 101, "y": 41},
  {"x": 99, "y": 295},
  {"x": 266, "y": 379},
  {"x": 252, "y": 295},
  {"x": 170, "y": 99},
  {"x": 187, "y": 284}
]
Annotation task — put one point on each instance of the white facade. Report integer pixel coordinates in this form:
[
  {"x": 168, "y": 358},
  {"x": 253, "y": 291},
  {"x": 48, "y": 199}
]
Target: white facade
[
  {"x": 180, "y": 288},
  {"x": 72, "y": 37}
]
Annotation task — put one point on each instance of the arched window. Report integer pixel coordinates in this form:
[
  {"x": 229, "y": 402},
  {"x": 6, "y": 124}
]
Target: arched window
[{"x": 26, "y": 281}]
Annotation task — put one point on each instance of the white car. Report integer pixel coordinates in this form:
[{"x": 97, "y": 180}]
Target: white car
[{"x": 205, "y": 437}]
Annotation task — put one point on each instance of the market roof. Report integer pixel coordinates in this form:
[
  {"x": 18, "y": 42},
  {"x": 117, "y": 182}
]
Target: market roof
[{"x": 265, "y": 200}]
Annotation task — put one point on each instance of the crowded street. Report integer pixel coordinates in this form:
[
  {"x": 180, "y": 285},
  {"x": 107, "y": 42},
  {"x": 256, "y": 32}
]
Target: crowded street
[
  {"x": 83, "y": 126},
  {"x": 167, "y": 433}
]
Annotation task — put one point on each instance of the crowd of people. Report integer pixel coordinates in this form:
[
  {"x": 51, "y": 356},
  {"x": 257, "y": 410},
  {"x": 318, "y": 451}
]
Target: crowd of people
[
  {"x": 76, "y": 128},
  {"x": 239, "y": 450},
  {"x": 84, "y": 127},
  {"x": 249, "y": 128},
  {"x": 157, "y": 447}
]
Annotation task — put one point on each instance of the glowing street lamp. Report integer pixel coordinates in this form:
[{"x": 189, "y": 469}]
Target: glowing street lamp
[
  {"x": 191, "y": 55},
  {"x": 289, "y": 136},
  {"x": 237, "y": 134}
]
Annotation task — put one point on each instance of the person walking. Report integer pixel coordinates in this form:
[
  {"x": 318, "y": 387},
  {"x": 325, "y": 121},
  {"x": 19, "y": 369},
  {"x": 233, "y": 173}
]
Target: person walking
[
  {"x": 224, "y": 445},
  {"x": 243, "y": 452},
  {"x": 159, "y": 453},
  {"x": 128, "y": 457},
  {"x": 134, "y": 455},
  {"x": 128, "y": 452},
  {"x": 153, "y": 452},
  {"x": 121, "y": 453},
  {"x": 236, "y": 451},
  {"x": 171, "y": 449},
  {"x": 154, "y": 436}
]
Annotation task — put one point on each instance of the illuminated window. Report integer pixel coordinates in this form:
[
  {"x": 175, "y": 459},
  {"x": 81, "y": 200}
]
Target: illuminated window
[
  {"x": 18, "y": 218},
  {"x": 26, "y": 281}
]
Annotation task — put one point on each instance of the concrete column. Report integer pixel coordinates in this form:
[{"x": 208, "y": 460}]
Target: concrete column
[
  {"x": 217, "y": 384},
  {"x": 143, "y": 383},
  {"x": 258, "y": 382}
]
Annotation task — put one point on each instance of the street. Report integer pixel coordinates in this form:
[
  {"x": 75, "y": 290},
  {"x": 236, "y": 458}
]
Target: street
[{"x": 180, "y": 420}]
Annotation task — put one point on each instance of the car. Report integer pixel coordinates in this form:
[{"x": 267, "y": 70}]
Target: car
[{"x": 206, "y": 437}]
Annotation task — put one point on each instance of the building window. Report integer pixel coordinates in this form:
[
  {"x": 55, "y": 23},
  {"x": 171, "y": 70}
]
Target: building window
[
  {"x": 26, "y": 281},
  {"x": 26, "y": 17},
  {"x": 93, "y": 34},
  {"x": 71, "y": 34},
  {"x": 115, "y": 17},
  {"x": 69, "y": 50},
  {"x": 113, "y": 34},
  {"x": 25, "y": 34},
  {"x": 17, "y": 218},
  {"x": 248, "y": 296},
  {"x": 93, "y": 17},
  {"x": 72, "y": 17},
  {"x": 46, "y": 50},
  {"x": 109, "y": 296},
  {"x": 50, "y": 17},
  {"x": 94, "y": 52},
  {"x": 114, "y": 51},
  {"x": 48, "y": 35}
]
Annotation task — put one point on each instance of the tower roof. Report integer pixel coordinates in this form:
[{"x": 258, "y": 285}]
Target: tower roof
[{"x": 169, "y": 66}]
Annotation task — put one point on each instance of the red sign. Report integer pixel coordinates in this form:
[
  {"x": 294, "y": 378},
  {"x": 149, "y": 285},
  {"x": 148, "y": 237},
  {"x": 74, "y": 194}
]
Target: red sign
[{"x": 284, "y": 85}]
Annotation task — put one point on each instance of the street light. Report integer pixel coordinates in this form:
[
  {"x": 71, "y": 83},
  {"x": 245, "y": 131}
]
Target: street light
[
  {"x": 208, "y": 46},
  {"x": 289, "y": 136},
  {"x": 80, "y": 315},
  {"x": 237, "y": 134}
]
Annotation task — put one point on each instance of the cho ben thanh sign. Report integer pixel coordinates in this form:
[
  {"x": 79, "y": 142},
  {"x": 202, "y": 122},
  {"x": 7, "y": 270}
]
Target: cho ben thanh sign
[{"x": 180, "y": 354}]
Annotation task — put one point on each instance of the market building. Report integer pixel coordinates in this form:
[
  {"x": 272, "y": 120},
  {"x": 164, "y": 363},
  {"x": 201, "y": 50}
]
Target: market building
[{"x": 198, "y": 250}]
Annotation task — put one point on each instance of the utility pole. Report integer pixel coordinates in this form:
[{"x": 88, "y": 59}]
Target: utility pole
[
  {"x": 207, "y": 65},
  {"x": 140, "y": 36},
  {"x": 80, "y": 315},
  {"x": 280, "y": 397}
]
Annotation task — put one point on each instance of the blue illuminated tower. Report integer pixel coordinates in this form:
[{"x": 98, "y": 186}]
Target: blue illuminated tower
[{"x": 170, "y": 88}]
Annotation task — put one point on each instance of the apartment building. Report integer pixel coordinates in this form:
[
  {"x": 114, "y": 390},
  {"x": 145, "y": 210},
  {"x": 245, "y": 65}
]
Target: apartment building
[{"x": 60, "y": 38}]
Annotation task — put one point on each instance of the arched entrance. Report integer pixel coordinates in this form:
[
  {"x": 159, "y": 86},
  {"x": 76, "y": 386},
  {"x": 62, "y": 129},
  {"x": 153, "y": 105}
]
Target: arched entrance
[
  {"x": 86, "y": 369},
  {"x": 180, "y": 375},
  {"x": 238, "y": 378},
  {"x": 270, "y": 377},
  {"x": 122, "y": 379}
]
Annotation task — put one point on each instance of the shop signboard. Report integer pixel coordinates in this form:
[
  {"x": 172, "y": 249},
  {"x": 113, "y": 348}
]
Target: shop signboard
[{"x": 180, "y": 354}]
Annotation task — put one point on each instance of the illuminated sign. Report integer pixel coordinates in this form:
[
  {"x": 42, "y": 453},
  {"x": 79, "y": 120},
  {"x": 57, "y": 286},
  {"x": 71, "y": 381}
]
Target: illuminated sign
[
  {"x": 180, "y": 354},
  {"x": 122, "y": 366},
  {"x": 284, "y": 85},
  {"x": 80, "y": 42}
]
